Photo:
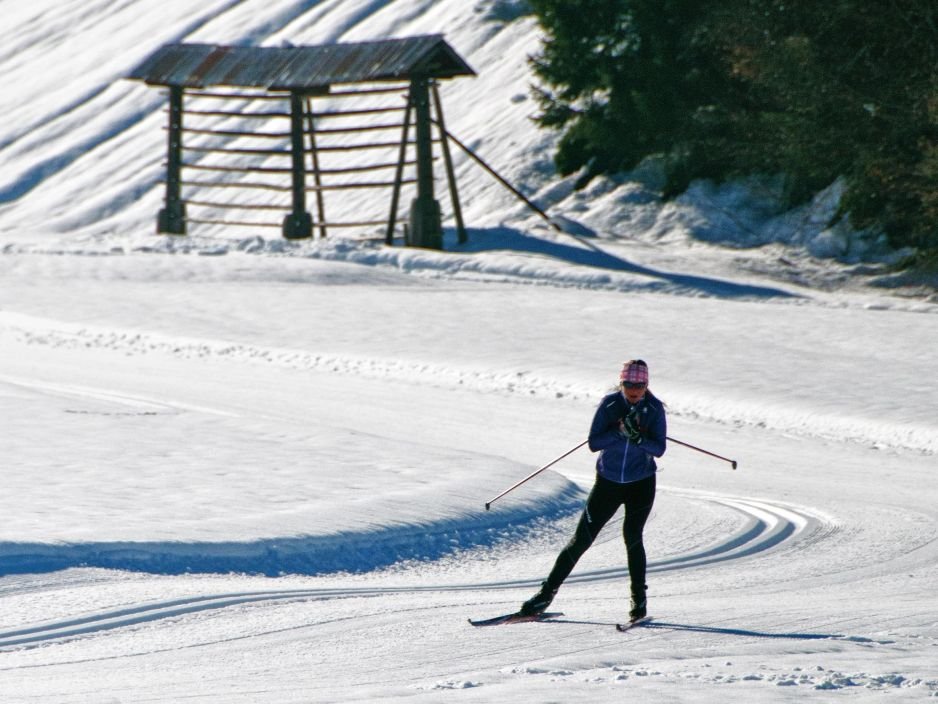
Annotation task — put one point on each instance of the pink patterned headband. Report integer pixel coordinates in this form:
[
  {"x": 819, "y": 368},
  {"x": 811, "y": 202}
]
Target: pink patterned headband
[{"x": 633, "y": 373}]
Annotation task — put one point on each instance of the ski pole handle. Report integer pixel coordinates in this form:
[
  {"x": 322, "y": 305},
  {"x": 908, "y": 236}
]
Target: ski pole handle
[
  {"x": 706, "y": 452},
  {"x": 488, "y": 504}
]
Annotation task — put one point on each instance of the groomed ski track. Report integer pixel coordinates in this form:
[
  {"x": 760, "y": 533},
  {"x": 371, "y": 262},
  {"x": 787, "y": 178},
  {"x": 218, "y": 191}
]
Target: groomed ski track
[{"x": 762, "y": 526}]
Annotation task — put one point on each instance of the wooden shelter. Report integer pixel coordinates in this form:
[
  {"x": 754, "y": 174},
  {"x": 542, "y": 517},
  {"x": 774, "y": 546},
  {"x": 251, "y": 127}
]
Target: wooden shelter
[{"x": 237, "y": 78}]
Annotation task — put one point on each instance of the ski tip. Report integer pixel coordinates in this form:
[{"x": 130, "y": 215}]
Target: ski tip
[{"x": 515, "y": 618}]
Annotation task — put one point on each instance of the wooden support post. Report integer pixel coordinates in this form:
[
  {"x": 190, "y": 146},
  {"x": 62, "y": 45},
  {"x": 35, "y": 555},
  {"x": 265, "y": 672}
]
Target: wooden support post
[
  {"x": 317, "y": 176},
  {"x": 527, "y": 201},
  {"x": 299, "y": 223},
  {"x": 426, "y": 229},
  {"x": 398, "y": 175},
  {"x": 172, "y": 217},
  {"x": 448, "y": 161}
]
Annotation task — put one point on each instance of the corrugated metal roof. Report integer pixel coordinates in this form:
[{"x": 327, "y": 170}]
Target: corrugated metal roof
[{"x": 300, "y": 67}]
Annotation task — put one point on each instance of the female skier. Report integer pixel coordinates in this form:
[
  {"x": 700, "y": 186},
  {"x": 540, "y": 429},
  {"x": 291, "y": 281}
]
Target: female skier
[{"x": 628, "y": 430}]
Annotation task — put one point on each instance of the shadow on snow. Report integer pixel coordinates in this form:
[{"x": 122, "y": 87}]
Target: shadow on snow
[
  {"x": 342, "y": 552},
  {"x": 737, "y": 631},
  {"x": 589, "y": 255}
]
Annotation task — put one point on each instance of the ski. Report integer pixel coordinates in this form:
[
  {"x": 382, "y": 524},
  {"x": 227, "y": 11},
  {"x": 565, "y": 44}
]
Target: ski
[
  {"x": 623, "y": 627},
  {"x": 516, "y": 617}
]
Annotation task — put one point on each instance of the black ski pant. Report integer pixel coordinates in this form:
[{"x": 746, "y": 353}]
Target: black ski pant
[{"x": 604, "y": 500}]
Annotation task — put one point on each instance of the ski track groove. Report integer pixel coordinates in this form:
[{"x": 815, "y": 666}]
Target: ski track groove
[{"x": 767, "y": 526}]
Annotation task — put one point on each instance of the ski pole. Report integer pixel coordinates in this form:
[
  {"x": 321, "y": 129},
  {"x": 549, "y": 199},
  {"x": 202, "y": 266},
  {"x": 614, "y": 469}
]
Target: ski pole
[
  {"x": 706, "y": 452},
  {"x": 488, "y": 504}
]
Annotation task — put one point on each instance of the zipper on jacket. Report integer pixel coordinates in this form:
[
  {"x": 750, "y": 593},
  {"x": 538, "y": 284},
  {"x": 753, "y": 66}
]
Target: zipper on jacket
[{"x": 625, "y": 456}]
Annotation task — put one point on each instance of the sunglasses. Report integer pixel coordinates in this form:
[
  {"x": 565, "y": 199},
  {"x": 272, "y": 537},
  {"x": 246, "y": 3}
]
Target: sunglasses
[{"x": 633, "y": 385}]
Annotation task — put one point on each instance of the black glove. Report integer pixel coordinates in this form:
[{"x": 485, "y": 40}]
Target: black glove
[{"x": 628, "y": 428}]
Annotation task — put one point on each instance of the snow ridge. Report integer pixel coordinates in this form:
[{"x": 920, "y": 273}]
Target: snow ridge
[
  {"x": 873, "y": 432},
  {"x": 345, "y": 552}
]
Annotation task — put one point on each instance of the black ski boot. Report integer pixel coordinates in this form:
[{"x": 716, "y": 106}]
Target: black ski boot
[
  {"x": 539, "y": 602},
  {"x": 639, "y": 608}
]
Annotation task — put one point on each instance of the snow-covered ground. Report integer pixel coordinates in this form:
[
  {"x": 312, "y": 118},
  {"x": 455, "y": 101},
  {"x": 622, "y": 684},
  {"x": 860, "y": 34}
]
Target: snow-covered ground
[{"x": 238, "y": 469}]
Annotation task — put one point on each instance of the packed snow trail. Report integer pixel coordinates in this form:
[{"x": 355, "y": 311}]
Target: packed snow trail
[{"x": 201, "y": 397}]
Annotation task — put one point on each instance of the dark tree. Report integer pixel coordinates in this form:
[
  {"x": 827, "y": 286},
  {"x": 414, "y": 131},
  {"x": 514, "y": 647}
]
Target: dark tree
[{"x": 723, "y": 88}]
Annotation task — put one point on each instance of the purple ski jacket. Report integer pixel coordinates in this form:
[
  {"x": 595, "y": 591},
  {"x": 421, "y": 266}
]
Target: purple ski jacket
[{"x": 621, "y": 460}]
